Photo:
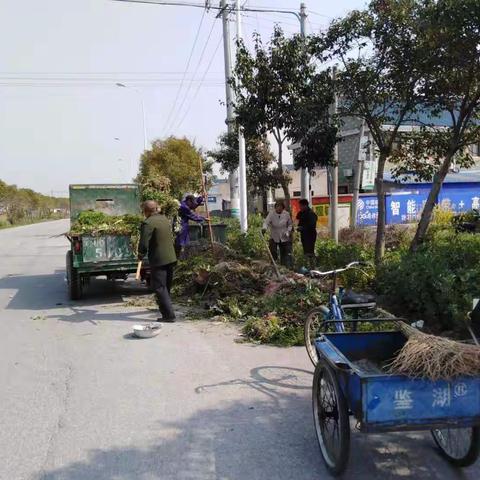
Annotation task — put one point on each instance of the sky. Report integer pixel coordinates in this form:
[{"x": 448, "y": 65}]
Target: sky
[{"x": 64, "y": 120}]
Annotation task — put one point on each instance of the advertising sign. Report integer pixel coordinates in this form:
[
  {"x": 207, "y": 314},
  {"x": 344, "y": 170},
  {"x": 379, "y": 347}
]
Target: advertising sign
[{"x": 367, "y": 210}]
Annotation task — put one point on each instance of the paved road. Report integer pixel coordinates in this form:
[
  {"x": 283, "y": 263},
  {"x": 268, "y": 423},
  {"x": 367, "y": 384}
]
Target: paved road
[{"x": 80, "y": 400}]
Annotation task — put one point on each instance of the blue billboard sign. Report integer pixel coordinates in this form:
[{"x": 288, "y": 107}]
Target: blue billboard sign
[
  {"x": 404, "y": 207},
  {"x": 407, "y": 206},
  {"x": 460, "y": 199},
  {"x": 367, "y": 210}
]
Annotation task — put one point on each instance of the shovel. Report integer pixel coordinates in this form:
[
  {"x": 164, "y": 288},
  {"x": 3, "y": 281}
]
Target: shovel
[{"x": 272, "y": 260}]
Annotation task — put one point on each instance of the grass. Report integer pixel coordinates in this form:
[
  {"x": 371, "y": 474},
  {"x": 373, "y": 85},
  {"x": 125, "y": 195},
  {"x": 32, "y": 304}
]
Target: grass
[{"x": 4, "y": 223}]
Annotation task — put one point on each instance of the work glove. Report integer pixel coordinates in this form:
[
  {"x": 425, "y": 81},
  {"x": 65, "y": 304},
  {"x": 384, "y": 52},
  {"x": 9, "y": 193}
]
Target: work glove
[{"x": 264, "y": 231}]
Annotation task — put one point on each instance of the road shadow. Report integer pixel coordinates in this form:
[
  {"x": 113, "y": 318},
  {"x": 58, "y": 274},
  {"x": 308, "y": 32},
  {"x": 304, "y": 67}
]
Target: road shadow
[
  {"x": 46, "y": 292},
  {"x": 267, "y": 438}
]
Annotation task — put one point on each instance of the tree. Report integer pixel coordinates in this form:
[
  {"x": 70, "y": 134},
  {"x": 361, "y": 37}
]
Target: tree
[
  {"x": 19, "y": 203},
  {"x": 451, "y": 88},
  {"x": 261, "y": 177},
  {"x": 268, "y": 83},
  {"x": 379, "y": 77},
  {"x": 178, "y": 160}
]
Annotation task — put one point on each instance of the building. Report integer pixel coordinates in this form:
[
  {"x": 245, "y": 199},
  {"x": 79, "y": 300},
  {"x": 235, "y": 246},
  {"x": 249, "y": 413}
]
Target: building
[
  {"x": 357, "y": 148},
  {"x": 318, "y": 183},
  {"x": 219, "y": 195}
]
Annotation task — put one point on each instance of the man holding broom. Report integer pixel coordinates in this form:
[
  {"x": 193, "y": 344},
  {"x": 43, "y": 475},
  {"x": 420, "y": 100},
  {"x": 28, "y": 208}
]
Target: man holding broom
[{"x": 156, "y": 241}]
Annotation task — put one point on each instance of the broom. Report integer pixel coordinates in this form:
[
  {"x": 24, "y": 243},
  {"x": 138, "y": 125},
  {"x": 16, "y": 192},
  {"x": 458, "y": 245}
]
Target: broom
[{"x": 434, "y": 358}]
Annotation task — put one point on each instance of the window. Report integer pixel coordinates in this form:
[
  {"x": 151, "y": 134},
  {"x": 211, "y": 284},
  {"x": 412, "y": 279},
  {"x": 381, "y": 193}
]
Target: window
[
  {"x": 343, "y": 189},
  {"x": 297, "y": 194}
]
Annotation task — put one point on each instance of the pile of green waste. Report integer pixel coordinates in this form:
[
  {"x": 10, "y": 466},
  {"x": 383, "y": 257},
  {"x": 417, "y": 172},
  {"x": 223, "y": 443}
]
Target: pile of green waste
[
  {"x": 98, "y": 223},
  {"x": 231, "y": 288}
]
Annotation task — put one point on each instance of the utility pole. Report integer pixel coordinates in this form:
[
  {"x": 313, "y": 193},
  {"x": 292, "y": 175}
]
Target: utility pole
[
  {"x": 304, "y": 174},
  {"x": 227, "y": 53},
  {"x": 334, "y": 175},
  {"x": 357, "y": 180},
  {"x": 242, "y": 165}
]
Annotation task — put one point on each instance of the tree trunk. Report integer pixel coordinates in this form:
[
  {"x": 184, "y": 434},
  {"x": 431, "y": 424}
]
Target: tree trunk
[
  {"x": 381, "y": 220},
  {"x": 427, "y": 212},
  {"x": 284, "y": 182},
  {"x": 264, "y": 202}
]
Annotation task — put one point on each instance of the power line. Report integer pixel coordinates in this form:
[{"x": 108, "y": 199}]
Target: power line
[
  {"x": 272, "y": 20},
  {"x": 201, "y": 82},
  {"x": 202, "y": 54},
  {"x": 320, "y": 14},
  {"x": 186, "y": 69}
]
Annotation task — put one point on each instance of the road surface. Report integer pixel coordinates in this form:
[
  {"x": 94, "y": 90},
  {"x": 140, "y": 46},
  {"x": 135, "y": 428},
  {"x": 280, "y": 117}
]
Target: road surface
[{"x": 82, "y": 400}]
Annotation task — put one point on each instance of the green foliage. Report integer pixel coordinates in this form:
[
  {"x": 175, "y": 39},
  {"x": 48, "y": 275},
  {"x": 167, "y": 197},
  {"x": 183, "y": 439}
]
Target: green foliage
[
  {"x": 176, "y": 159},
  {"x": 444, "y": 217},
  {"x": 332, "y": 256},
  {"x": 279, "y": 318},
  {"x": 23, "y": 205},
  {"x": 466, "y": 222},
  {"x": 270, "y": 329},
  {"x": 156, "y": 187},
  {"x": 438, "y": 282},
  {"x": 251, "y": 244},
  {"x": 379, "y": 77},
  {"x": 278, "y": 90},
  {"x": 260, "y": 174},
  {"x": 99, "y": 223}
]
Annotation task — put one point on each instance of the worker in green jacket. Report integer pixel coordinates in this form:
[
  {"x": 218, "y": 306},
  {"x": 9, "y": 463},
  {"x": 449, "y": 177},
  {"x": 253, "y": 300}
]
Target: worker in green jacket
[{"x": 156, "y": 241}]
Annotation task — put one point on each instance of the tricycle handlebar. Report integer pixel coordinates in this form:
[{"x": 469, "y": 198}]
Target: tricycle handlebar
[{"x": 316, "y": 273}]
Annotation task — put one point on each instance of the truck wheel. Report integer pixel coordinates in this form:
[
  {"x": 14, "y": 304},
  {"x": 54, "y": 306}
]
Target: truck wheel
[{"x": 73, "y": 279}]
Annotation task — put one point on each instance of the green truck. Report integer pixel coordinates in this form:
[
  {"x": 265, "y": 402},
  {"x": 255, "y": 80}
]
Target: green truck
[{"x": 112, "y": 256}]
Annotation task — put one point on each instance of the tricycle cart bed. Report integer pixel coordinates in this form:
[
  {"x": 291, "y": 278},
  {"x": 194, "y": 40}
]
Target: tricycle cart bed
[{"x": 351, "y": 378}]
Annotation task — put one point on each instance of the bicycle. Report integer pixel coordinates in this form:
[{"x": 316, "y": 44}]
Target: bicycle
[{"x": 334, "y": 312}]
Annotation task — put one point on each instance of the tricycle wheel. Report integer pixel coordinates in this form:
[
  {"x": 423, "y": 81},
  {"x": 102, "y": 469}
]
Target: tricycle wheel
[
  {"x": 460, "y": 446},
  {"x": 331, "y": 419},
  {"x": 73, "y": 279},
  {"x": 313, "y": 327}
]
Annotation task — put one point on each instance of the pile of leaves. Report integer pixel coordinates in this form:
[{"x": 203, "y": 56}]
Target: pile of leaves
[
  {"x": 94, "y": 223},
  {"x": 233, "y": 288}
]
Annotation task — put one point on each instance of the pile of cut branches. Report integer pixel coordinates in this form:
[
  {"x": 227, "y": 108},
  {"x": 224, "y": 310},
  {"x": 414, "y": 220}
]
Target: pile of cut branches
[
  {"x": 98, "y": 223},
  {"x": 232, "y": 288}
]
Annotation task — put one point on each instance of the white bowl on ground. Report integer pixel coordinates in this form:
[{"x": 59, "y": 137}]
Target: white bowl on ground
[{"x": 147, "y": 331}]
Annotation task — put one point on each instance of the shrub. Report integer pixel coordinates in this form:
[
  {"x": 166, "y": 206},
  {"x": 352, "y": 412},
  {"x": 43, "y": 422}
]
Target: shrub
[
  {"x": 4, "y": 223},
  {"x": 331, "y": 256},
  {"x": 437, "y": 283},
  {"x": 250, "y": 244}
]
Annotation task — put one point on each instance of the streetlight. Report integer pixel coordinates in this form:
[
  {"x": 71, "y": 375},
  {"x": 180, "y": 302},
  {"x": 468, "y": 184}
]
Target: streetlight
[{"x": 145, "y": 141}]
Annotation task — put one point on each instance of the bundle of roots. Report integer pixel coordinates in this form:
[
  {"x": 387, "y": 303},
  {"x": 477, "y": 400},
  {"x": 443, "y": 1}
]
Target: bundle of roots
[{"x": 434, "y": 358}]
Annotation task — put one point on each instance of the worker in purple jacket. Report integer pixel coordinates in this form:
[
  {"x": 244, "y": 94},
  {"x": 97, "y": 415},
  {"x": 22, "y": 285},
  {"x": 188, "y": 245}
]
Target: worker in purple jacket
[{"x": 186, "y": 212}]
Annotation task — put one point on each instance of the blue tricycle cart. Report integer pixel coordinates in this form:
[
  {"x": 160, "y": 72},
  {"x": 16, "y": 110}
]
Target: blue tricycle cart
[{"x": 345, "y": 384}]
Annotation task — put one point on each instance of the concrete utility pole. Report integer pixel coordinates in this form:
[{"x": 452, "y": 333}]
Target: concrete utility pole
[
  {"x": 242, "y": 165},
  {"x": 357, "y": 179},
  {"x": 334, "y": 177},
  {"x": 304, "y": 174},
  {"x": 229, "y": 98}
]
